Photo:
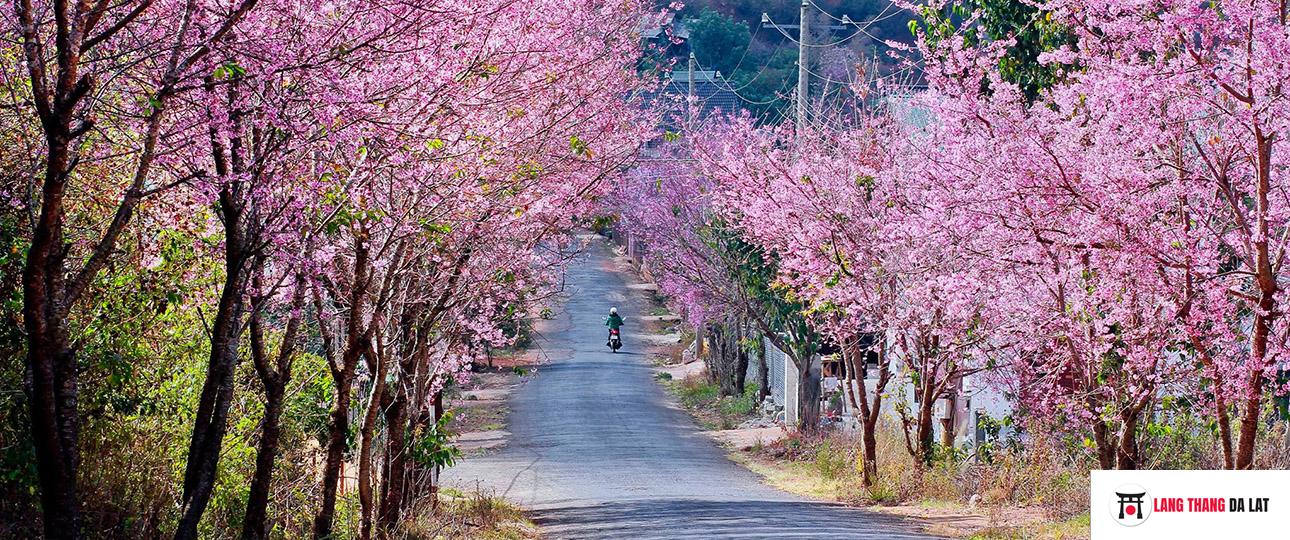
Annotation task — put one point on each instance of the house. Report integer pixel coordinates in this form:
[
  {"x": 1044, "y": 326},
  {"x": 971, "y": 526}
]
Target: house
[
  {"x": 665, "y": 36},
  {"x": 971, "y": 410},
  {"x": 709, "y": 90}
]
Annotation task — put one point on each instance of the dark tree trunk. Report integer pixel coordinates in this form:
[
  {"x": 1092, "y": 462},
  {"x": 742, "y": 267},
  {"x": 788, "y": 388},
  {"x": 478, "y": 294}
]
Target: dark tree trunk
[
  {"x": 357, "y": 341},
  {"x": 1224, "y": 427},
  {"x": 1105, "y": 443},
  {"x": 376, "y": 362},
  {"x": 924, "y": 429},
  {"x": 808, "y": 395},
  {"x": 394, "y": 477},
  {"x": 726, "y": 360},
  {"x": 1266, "y": 280},
  {"x": 274, "y": 378},
  {"x": 1127, "y": 456},
  {"x": 50, "y": 287},
  {"x": 211, "y": 421},
  {"x": 51, "y": 390},
  {"x": 254, "y": 525},
  {"x": 337, "y": 431},
  {"x": 51, "y": 378},
  {"x": 869, "y": 407}
]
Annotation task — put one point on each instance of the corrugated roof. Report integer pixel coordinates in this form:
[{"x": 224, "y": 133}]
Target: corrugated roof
[{"x": 710, "y": 89}]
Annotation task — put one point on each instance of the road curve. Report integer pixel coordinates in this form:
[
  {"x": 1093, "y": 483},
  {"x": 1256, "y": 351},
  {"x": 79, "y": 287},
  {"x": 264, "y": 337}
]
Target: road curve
[{"x": 596, "y": 452}]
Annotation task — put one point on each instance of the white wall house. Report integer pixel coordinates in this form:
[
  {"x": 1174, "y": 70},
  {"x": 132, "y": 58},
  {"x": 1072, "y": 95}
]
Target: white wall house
[{"x": 974, "y": 403}]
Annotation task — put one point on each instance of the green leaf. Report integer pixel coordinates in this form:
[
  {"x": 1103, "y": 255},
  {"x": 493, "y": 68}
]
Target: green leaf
[{"x": 579, "y": 146}]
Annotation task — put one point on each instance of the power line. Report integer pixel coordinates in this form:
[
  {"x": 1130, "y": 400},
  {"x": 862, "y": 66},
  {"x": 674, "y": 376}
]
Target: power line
[
  {"x": 780, "y": 27},
  {"x": 751, "y": 39},
  {"x": 721, "y": 83},
  {"x": 770, "y": 58}
]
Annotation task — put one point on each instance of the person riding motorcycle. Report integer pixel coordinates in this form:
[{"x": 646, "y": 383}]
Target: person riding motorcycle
[{"x": 614, "y": 321}]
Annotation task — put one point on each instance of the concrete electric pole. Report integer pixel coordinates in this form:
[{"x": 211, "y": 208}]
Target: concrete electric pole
[
  {"x": 803, "y": 56},
  {"x": 803, "y": 75},
  {"x": 689, "y": 92}
]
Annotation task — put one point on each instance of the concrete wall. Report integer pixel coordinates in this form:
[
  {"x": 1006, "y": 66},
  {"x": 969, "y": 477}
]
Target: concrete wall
[{"x": 975, "y": 399}]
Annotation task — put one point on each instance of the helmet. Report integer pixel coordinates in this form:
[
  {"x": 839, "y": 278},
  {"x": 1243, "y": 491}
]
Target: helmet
[{"x": 613, "y": 311}]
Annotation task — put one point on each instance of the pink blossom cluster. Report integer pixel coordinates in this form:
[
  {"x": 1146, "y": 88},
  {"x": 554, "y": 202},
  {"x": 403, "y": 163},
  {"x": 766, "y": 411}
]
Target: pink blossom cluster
[{"x": 1119, "y": 239}]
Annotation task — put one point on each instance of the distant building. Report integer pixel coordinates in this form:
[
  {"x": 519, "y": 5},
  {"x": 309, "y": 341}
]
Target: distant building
[
  {"x": 665, "y": 35},
  {"x": 712, "y": 96},
  {"x": 711, "y": 91},
  {"x": 971, "y": 408}
]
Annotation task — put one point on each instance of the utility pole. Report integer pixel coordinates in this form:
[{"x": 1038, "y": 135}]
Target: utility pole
[
  {"x": 689, "y": 93},
  {"x": 803, "y": 75},
  {"x": 803, "y": 55}
]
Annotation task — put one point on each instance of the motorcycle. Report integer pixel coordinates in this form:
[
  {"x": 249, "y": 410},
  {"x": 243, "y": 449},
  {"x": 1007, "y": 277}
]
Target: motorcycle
[{"x": 615, "y": 340}]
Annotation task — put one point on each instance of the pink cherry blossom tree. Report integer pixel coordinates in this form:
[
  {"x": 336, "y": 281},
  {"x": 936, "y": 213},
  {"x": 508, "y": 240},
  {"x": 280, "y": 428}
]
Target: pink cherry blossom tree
[
  {"x": 86, "y": 64},
  {"x": 1140, "y": 193}
]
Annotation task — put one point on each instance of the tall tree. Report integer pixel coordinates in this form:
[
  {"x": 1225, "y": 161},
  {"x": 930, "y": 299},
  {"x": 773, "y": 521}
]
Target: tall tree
[{"x": 75, "y": 69}]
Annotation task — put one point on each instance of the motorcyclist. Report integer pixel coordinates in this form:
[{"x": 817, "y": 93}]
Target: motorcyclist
[{"x": 614, "y": 321}]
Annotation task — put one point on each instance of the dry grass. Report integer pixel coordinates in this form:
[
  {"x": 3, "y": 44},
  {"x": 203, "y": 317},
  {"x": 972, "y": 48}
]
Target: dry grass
[
  {"x": 477, "y": 515},
  {"x": 1017, "y": 495}
]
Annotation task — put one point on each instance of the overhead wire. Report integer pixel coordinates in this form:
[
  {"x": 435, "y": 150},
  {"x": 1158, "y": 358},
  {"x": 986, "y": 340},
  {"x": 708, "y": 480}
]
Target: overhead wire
[
  {"x": 861, "y": 28},
  {"x": 751, "y": 39},
  {"x": 769, "y": 59},
  {"x": 814, "y": 45},
  {"x": 726, "y": 85},
  {"x": 881, "y": 16}
]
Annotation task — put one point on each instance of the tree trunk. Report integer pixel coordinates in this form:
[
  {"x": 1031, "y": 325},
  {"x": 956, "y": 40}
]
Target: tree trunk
[
  {"x": 337, "y": 431},
  {"x": 855, "y": 378},
  {"x": 357, "y": 341},
  {"x": 254, "y": 524},
  {"x": 1265, "y": 316},
  {"x": 808, "y": 395},
  {"x": 1105, "y": 445},
  {"x": 1127, "y": 456},
  {"x": 1224, "y": 426},
  {"x": 377, "y": 365},
  {"x": 414, "y": 359},
  {"x": 51, "y": 390},
  {"x": 51, "y": 378},
  {"x": 741, "y": 359},
  {"x": 274, "y": 378},
  {"x": 211, "y": 420},
  {"x": 434, "y": 474},
  {"x": 394, "y": 477},
  {"x": 924, "y": 430},
  {"x": 727, "y": 362}
]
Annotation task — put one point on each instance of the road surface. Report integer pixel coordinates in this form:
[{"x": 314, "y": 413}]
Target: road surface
[{"x": 596, "y": 452}]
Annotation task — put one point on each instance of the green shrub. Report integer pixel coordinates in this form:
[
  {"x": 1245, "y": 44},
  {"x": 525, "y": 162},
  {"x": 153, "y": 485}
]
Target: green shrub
[
  {"x": 831, "y": 462},
  {"x": 695, "y": 392},
  {"x": 742, "y": 405},
  {"x": 883, "y": 493}
]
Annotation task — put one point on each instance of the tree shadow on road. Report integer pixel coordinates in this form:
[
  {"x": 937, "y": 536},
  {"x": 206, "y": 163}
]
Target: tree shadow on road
[{"x": 687, "y": 518}]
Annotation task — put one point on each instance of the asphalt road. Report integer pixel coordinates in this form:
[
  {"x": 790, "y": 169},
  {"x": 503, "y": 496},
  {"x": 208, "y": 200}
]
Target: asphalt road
[{"x": 596, "y": 452}]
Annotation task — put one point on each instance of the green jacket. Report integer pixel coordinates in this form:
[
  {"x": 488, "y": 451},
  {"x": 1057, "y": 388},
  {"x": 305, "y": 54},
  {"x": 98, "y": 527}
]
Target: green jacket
[{"x": 614, "y": 321}]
